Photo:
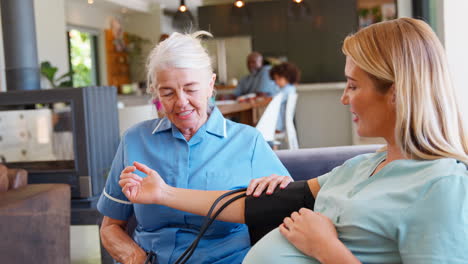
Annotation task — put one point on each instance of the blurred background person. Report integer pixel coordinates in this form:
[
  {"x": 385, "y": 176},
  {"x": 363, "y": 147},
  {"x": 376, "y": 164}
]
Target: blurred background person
[
  {"x": 285, "y": 75},
  {"x": 258, "y": 81}
]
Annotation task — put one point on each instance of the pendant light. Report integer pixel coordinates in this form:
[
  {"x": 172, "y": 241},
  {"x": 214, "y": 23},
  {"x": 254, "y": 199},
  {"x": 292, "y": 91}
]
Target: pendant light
[
  {"x": 298, "y": 9},
  {"x": 239, "y": 4},
  {"x": 182, "y": 7},
  {"x": 239, "y": 13},
  {"x": 183, "y": 18}
]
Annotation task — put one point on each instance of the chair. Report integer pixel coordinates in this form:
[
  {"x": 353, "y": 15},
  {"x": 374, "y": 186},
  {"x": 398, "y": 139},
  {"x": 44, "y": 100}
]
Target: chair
[
  {"x": 131, "y": 115},
  {"x": 289, "y": 136},
  {"x": 35, "y": 220},
  {"x": 267, "y": 123}
]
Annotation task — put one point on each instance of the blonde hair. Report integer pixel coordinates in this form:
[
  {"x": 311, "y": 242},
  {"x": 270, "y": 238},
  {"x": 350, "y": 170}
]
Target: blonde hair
[
  {"x": 177, "y": 51},
  {"x": 407, "y": 53}
]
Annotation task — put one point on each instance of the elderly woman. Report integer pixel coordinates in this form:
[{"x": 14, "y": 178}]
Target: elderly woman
[
  {"x": 407, "y": 203},
  {"x": 193, "y": 146}
]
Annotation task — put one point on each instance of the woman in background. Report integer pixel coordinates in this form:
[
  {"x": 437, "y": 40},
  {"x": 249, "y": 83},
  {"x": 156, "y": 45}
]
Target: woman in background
[{"x": 285, "y": 75}]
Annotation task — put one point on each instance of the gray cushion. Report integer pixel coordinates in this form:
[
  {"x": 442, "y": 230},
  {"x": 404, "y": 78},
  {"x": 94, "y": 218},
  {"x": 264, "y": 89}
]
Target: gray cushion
[{"x": 304, "y": 164}]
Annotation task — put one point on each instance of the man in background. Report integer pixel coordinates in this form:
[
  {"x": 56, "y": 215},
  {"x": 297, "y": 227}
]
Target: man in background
[{"x": 258, "y": 81}]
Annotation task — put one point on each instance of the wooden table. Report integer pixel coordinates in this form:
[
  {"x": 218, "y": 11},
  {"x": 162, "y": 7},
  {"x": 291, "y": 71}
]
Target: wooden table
[{"x": 247, "y": 112}]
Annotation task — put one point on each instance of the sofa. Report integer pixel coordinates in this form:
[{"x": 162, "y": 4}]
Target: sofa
[
  {"x": 304, "y": 164},
  {"x": 34, "y": 220}
]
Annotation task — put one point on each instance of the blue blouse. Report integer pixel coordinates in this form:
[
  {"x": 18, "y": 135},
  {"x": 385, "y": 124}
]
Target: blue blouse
[{"x": 221, "y": 155}]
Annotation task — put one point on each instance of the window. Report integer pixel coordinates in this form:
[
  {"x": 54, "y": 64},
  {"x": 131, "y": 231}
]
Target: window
[
  {"x": 374, "y": 11},
  {"x": 82, "y": 46}
]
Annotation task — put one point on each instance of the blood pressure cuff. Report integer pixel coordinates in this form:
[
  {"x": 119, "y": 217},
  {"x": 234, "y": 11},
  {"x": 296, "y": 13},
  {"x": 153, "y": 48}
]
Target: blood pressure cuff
[{"x": 267, "y": 212}]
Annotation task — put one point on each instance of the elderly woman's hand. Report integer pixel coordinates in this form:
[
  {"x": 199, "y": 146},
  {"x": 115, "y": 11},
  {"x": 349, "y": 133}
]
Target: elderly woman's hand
[
  {"x": 146, "y": 190},
  {"x": 257, "y": 186},
  {"x": 312, "y": 233}
]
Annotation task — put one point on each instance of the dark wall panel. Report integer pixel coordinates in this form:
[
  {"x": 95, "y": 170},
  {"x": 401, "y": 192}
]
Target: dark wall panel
[
  {"x": 222, "y": 22},
  {"x": 312, "y": 42},
  {"x": 337, "y": 24},
  {"x": 305, "y": 43},
  {"x": 269, "y": 26}
]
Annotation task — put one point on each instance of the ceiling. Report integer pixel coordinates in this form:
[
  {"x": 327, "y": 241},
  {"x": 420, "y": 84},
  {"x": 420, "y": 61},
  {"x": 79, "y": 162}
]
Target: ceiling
[
  {"x": 145, "y": 5},
  {"x": 174, "y": 4},
  {"x": 142, "y": 5},
  {"x": 169, "y": 5}
]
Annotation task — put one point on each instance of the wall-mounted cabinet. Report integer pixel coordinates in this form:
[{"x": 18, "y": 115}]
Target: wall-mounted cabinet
[
  {"x": 269, "y": 28},
  {"x": 218, "y": 20},
  {"x": 312, "y": 42}
]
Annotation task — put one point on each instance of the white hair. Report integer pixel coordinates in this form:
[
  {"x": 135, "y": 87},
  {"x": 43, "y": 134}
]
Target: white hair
[{"x": 182, "y": 51}]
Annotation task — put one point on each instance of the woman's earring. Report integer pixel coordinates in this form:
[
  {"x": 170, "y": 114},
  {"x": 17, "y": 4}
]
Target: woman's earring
[{"x": 159, "y": 107}]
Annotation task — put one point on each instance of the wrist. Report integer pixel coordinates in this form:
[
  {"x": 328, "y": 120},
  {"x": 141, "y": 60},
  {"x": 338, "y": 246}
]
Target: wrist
[
  {"x": 164, "y": 195},
  {"x": 336, "y": 252},
  {"x": 331, "y": 249},
  {"x": 139, "y": 256}
]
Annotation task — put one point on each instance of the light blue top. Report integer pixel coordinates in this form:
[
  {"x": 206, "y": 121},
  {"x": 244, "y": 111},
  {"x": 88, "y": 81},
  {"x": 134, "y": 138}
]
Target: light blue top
[
  {"x": 286, "y": 91},
  {"x": 221, "y": 155},
  {"x": 257, "y": 82},
  {"x": 408, "y": 212}
]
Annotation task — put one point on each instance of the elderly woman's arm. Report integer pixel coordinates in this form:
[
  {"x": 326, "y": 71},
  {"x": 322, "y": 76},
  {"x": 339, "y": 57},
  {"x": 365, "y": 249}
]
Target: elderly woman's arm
[
  {"x": 153, "y": 190},
  {"x": 119, "y": 244}
]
